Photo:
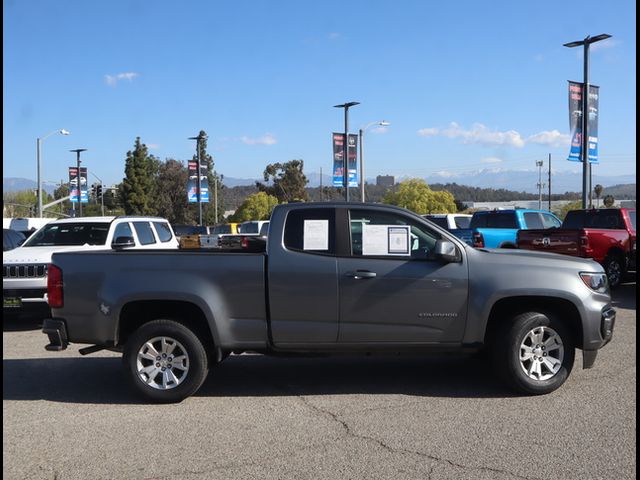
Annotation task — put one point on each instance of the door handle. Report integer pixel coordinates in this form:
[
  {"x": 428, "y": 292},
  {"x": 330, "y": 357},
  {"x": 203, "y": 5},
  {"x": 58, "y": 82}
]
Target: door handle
[{"x": 358, "y": 274}]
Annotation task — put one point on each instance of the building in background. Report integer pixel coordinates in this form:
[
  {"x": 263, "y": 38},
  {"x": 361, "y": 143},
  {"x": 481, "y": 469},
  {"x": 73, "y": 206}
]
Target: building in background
[{"x": 385, "y": 181}]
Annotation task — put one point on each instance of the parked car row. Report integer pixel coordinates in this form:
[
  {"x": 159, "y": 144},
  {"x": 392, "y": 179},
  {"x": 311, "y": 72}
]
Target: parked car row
[
  {"x": 606, "y": 235},
  {"x": 24, "y": 268}
]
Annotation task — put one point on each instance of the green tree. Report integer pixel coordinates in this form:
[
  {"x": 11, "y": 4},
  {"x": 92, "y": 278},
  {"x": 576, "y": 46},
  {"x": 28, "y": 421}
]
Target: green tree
[
  {"x": 288, "y": 181},
  {"x": 139, "y": 185},
  {"x": 257, "y": 206},
  {"x": 216, "y": 186},
  {"x": 20, "y": 204},
  {"x": 171, "y": 200},
  {"x": 416, "y": 195},
  {"x": 568, "y": 207}
]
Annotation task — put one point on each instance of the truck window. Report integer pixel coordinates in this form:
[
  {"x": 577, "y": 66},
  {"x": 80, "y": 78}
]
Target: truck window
[
  {"x": 632, "y": 217},
  {"x": 145, "y": 234},
  {"x": 311, "y": 230},
  {"x": 420, "y": 239},
  {"x": 502, "y": 220},
  {"x": 122, "y": 230},
  {"x": 550, "y": 221},
  {"x": 163, "y": 231},
  {"x": 533, "y": 221},
  {"x": 440, "y": 221},
  {"x": 462, "y": 222}
]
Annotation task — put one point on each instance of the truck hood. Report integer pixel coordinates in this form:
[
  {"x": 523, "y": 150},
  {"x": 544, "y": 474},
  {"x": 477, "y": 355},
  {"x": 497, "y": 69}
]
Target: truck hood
[
  {"x": 22, "y": 255},
  {"x": 523, "y": 258}
]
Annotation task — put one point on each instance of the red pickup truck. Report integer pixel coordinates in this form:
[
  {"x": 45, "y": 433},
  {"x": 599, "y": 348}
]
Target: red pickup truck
[{"x": 608, "y": 235}]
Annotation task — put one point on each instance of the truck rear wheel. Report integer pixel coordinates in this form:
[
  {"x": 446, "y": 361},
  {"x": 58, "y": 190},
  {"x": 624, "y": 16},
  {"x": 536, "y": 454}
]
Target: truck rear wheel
[
  {"x": 534, "y": 353},
  {"x": 165, "y": 361}
]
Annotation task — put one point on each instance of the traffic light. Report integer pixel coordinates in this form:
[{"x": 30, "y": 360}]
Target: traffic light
[
  {"x": 93, "y": 190},
  {"x": 99, "y": 191}
]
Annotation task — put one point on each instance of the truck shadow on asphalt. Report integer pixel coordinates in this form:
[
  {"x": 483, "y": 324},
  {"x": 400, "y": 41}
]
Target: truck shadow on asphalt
[
  {"x": 101, "y": 380},
  {"x": 624, "y": 296}
]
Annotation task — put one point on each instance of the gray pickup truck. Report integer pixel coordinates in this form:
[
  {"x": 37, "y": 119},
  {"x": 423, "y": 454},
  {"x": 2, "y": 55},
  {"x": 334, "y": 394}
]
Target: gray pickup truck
[{"x": 334, "y": 278}]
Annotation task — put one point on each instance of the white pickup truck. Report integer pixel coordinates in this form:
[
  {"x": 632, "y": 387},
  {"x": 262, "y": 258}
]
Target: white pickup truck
[{"x": 24, "y": 269}]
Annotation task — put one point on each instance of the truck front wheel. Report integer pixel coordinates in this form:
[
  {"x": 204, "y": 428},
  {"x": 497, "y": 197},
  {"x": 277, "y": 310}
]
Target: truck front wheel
[
  {"x": 165, "y": 361},
  {"x": 534, "y": 353}
]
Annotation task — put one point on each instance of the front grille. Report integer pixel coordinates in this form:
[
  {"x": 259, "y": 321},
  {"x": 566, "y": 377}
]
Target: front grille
[{"x": 24, "y": 271}]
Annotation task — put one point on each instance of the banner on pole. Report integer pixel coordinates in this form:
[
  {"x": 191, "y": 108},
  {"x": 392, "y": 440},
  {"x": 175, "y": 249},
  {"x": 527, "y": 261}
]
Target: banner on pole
[
  {"x": 192, "y": 183},
  {"x": 338, "y": 159},
  {"x": 78, "y": 189},
  {"x": 575, "y": 122}
]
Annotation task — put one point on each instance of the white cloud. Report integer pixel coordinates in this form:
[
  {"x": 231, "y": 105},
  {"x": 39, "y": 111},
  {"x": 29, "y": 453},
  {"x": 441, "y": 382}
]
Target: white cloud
[
  {"x": 539, "y": 57},
  {"x": 153, "y": 146},
  {"x": 380, "y": 130},
  {"x": 551, "y": 138},
  {"x": 334, "y": 36},
  {"x": 428, "y": 132},
  {"x": 267, "y": 139},
  {"x": 112, "y": 80},
  {"x": 491, "y": 160},
  {"x": 481, "y": 134}
]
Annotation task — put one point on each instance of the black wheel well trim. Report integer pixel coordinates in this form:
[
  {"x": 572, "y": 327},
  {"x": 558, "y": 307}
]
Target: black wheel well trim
[
  {"x": 136, "y": 313},
  {"x": 507, "y": 308}
]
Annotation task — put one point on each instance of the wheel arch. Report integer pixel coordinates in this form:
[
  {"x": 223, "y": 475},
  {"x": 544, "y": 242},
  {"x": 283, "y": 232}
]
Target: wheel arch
[
  {"x": 506, "y": 309},
  {"x": 136, "y": 313}
]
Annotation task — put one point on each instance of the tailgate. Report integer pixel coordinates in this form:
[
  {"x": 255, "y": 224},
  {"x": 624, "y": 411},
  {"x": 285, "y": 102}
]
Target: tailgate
[{"x": 555, "y": 240}]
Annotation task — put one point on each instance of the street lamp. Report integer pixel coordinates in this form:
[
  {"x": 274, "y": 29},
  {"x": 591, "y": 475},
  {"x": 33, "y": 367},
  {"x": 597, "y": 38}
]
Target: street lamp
[
  {"x": 382, "y": 123},
  {"x": 586, "y": 190},
  {"x": 78, "y": 176},
  {"x": 345, "y": 159},
  {"x": 199, "y": 139},
  {"x": 39, "y": 141}
]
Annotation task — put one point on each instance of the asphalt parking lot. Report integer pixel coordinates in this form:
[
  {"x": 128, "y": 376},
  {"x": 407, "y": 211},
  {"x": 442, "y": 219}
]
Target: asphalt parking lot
[{"x": 72, "y": 417}]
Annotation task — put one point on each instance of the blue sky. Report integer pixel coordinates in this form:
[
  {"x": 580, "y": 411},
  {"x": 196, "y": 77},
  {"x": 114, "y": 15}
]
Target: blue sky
[{"x": 465, "y": 85}]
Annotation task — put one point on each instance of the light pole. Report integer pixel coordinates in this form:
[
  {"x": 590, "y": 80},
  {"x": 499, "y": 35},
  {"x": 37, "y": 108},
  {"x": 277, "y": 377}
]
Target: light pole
[
  {"x": 345, "y": 156},
  {"x": 199, "y": 139},
  {"x": 39, "y": 141},
  {"x": 586, "y": 170},
  {"x": 102, "y": 192},
  {"x": 382, "y": 123},
  {"x": 79, "y": 177},
  {"x": 539, "y": 164}
]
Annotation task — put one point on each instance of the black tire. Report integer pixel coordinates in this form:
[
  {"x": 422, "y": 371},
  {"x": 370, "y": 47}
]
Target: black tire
[
  {"x": 517, "y": 334},
  {"x": 614, "y": 266},
  {"x": 189, "y": 375}
]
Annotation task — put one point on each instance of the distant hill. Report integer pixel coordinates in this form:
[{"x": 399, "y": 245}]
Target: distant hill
[{"x": 20, "y": 184}]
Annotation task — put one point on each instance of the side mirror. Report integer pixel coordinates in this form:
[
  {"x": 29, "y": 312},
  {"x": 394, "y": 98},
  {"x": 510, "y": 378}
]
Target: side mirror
[
  {"x": 446, "y": 251},
  {"x": 123, "y": 242}
]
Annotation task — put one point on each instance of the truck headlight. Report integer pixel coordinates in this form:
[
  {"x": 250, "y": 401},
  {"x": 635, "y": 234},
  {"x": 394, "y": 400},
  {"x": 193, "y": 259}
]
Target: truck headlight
[{"x": 595, "y": 281}]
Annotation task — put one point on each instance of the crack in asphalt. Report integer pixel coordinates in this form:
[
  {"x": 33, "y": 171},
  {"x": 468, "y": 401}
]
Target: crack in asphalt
[{"x": 350, "y": 433}]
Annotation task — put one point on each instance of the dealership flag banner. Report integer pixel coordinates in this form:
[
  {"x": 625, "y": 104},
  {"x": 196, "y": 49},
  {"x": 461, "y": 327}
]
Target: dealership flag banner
[
  {"x": 76, "y": 194},
  {"x": 575, "y": 121},
  {"x": 338, "y": 159},
  {"x": 192, "y": 183}
]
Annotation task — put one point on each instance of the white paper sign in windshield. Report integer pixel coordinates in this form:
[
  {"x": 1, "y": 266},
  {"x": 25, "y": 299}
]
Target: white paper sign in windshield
[
  {"x": 316, "y": 235},
  {"x": 385, "y": 240}
]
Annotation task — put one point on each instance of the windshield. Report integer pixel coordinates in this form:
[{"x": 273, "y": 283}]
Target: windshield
[
  {"x": 632, "y": 217},
  {"x": 66, "y": 234}
]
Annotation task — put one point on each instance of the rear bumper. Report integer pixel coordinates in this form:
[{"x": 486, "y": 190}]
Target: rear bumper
[{"x": 56, "y": 330}]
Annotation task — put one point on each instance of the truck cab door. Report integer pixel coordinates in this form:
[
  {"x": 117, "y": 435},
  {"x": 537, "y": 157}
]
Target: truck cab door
[
  {"x": 303, "y": 280},
  {"x": 393, "y": 290}
]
